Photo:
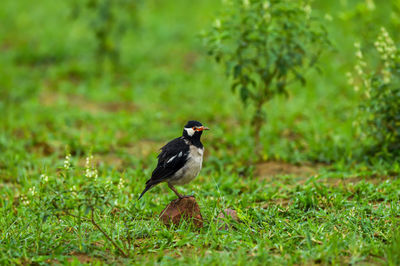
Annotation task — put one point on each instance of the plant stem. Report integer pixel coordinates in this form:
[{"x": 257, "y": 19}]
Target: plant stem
[
  {"x": 106, "y": 235},
  {"x": 257, "y": 124}
]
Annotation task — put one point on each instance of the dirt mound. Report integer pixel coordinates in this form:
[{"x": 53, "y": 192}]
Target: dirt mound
[
  {"x": 274, "y": 168},
  {"x": 182, "y": 209}
]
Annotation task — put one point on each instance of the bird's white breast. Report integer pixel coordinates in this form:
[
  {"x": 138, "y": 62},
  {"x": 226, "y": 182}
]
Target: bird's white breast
[{"x": 191, "y": 169}]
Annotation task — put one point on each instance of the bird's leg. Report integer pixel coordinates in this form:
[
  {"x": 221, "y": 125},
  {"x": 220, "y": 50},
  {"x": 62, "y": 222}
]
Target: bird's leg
[{"x": 175, "y": 191}]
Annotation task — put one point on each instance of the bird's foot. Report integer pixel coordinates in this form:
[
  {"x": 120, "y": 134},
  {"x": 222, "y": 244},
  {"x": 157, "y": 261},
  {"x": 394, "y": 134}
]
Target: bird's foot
[{"x": 180, "y": 196}]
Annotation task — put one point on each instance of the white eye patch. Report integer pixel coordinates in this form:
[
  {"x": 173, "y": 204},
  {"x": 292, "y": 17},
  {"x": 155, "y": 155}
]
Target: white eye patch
[{"x": 189, "y": 131}]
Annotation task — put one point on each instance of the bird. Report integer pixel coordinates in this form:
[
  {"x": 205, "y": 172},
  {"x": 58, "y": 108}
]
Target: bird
[{"x": 180, "y": 160}]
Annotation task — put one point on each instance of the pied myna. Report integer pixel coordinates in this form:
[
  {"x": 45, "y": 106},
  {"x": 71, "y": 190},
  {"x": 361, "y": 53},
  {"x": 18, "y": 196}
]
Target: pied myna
[{"x": 180, "y": 160}]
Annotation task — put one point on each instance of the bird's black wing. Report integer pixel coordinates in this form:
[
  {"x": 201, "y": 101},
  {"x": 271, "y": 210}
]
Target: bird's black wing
[{"x": 173, "y": 157}]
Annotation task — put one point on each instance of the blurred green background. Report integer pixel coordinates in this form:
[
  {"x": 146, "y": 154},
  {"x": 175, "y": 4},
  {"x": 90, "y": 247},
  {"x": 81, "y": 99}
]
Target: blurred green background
[
  {"x": 59, "y": 93},
  {"x": 55, "y": 91}
]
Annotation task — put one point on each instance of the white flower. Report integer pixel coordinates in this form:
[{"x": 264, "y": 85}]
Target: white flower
[
  {"x": 387, "y": 51},
  {"x": 385, "y": 45},
  {"x": 108, "y": 183},
  {"x": 24, "y": 200},
  {"x": 88, "y": 161},
  {"x": 32, "y": 191},
  {"x": 67, "y": 161},
  {"x": 73, "y": 191},
  {"x": 44, "y": 178},
  {"x": 90, "y": 171},
  {"x": 120, "y": 183}
]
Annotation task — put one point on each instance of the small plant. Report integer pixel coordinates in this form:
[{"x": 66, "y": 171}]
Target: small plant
[
  {"x": 265, "y": 46},
  {"x": 108, "y": 20},
  {"x": 379, "y": 113},
  {"x": 85, "y": 202}
]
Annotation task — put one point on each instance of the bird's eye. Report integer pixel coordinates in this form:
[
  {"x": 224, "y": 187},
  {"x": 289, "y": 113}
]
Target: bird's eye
[{"x": 194, "y": 128}]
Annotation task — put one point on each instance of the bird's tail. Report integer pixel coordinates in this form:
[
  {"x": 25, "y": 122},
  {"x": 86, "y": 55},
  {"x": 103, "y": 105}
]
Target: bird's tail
[{"x": 145, "y": 190}]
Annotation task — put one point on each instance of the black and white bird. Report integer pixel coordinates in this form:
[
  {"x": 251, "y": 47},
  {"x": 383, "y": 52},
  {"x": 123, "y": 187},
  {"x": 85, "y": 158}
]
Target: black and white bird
[{"x": 180, "y": 160}]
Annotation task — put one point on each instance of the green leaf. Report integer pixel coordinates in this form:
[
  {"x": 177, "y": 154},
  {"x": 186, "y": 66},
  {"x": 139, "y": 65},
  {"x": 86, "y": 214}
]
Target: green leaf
[
  {"x": 235, "y": 85},
  {"x": 244, "y": 94},
  {"x": 44, "y": 218},
  {"x": 87, "y": 210},
  {"x": 237, "y": 70}
]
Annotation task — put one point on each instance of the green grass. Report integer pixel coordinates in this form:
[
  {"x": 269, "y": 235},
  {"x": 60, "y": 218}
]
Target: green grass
[
  {"x": 283, "y": 220},
  {"x": 53, "y": 101}
]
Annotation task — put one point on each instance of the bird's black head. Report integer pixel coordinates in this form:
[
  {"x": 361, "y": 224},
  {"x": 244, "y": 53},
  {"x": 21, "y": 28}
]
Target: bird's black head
[{"x": 193, "y": 130}]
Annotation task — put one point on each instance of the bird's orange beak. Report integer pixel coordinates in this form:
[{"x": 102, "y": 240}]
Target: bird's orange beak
[{"x": 202, "y": 128}]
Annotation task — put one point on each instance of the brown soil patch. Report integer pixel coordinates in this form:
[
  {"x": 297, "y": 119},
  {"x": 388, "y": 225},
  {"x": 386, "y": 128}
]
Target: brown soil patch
[
  {"x": 189, "y": 60},
  {"x": 113, "y": 160},
  {"x": 42, "y": 147},
  {"x": 51, "y": 98},
  {"x": 144, "y": 148},
  {"x": 354, "y": 180},
  {"x": 274, "y": 168},
  {"x": 291, "y": 135},
  {"x": 277, "y": 202},
  {"x": 82, "y": 258},
  {"x": 109, "y": 159},
  {"x": 140, "y": 149}
]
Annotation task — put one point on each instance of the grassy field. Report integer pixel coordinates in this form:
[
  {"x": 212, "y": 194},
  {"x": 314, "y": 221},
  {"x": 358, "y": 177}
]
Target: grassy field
[{"x": 312, "y": 198}]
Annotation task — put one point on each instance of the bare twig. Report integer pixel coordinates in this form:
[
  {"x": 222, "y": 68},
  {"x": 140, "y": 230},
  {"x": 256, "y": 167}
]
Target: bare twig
[
  {"x": 106, "y": 235},
  {"x": 75, "y": 216}
]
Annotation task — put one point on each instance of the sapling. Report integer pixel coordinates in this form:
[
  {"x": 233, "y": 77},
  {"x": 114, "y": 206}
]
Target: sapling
[
  {"x": 265, "y": 46},
  {"x": 378, "y": 122},
  {"x": 108, "y": 21}
]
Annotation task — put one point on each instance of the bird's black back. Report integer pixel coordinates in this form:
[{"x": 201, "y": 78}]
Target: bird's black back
[{"x": 168, "y": 164}]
